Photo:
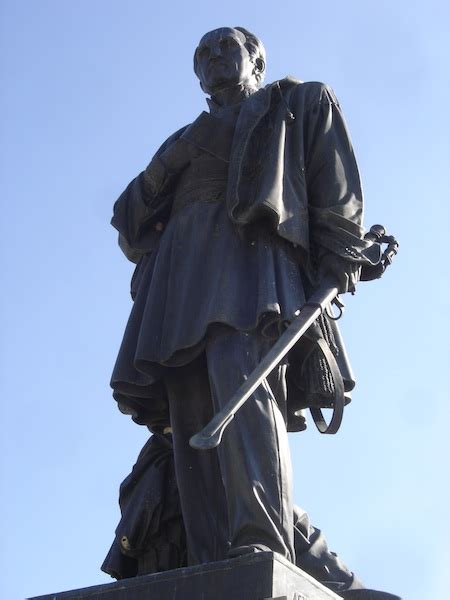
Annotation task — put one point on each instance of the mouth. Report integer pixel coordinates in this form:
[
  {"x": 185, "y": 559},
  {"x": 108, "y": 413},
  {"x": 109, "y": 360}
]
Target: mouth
[{"x": 215, "y": 63}]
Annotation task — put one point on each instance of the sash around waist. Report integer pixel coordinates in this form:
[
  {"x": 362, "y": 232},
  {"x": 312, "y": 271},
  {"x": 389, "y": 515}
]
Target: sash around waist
[{"x": 206, "y": 190}]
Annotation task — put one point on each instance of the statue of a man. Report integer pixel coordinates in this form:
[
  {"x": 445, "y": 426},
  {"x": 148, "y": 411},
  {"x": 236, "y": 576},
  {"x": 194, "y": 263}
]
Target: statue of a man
[{"x": 232, "y": 225}]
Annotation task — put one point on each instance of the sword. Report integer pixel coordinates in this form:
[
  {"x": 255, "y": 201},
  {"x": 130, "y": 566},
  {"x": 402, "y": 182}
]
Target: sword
[{"x": 211, "y": 435}]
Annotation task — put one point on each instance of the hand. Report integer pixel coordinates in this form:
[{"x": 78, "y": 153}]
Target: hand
[
  {"x": 177, "y": 156},
  {"x": 346, "y": 272},
  {"x": 162, "y": 166}
]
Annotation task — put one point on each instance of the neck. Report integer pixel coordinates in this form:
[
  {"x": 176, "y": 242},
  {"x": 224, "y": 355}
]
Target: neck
[{"x": 232, "y": 95}]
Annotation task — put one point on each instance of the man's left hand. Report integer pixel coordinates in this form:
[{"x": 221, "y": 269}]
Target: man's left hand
[{"x": 346, "y": 272}]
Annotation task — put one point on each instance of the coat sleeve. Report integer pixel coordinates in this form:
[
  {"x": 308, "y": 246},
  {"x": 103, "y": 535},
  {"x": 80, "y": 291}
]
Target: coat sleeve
[
  {"x": 145, "y": 202},
  {"x": 335, "y": 194}
]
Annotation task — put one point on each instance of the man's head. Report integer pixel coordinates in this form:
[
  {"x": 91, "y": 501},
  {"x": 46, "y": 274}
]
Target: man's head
[{"x": 228, "y": 57}]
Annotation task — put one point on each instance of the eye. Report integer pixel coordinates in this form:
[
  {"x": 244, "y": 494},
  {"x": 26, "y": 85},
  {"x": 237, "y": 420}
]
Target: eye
[{"x": 228, "y": 43}]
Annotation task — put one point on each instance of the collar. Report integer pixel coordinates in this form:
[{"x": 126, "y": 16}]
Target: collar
[{"x": 227, "y": 113}]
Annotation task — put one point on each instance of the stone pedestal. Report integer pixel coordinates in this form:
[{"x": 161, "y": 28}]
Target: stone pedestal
[{"x": 261, "y": 576}]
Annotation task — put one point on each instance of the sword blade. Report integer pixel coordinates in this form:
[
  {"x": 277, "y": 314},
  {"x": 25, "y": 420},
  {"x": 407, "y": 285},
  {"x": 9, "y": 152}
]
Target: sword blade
[{"x": 211, "y": 435}]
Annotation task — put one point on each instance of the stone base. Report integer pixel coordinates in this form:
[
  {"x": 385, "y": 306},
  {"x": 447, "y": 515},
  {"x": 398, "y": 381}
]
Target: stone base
[{"x": 261, "y": 576}]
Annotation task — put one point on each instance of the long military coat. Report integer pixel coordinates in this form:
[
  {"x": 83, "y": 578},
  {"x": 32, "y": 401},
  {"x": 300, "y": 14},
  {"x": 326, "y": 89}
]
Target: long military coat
[{"x": 291, "y": 167}]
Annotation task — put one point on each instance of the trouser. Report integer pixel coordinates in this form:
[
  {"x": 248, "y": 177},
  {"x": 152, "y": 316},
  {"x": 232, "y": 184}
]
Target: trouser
[
  {"x": 154, "y": 529},
  {"x": 239, "y": 494}
]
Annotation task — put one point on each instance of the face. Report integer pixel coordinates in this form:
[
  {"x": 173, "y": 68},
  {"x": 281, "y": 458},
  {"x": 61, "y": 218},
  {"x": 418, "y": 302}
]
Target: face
[{"x": 223, "y": 61}]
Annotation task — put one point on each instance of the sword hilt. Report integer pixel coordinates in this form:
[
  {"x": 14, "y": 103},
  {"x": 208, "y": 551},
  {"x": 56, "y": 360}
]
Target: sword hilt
[{"x": 377, "y": 235}]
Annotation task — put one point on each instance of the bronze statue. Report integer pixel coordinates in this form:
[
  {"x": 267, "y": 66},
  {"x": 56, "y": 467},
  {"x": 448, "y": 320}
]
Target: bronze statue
[{"x": 233, "y": 225}]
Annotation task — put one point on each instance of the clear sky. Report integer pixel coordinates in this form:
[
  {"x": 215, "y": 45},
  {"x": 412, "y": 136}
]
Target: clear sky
[{"x": 89, "y": 91}]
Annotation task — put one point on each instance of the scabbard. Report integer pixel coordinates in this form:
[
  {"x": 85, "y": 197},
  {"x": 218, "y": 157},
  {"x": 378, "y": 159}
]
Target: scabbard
[{"x": 211, "y": 434}]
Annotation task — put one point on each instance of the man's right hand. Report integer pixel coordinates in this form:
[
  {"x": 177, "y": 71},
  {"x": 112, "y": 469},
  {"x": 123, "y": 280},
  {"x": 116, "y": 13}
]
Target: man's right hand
[
  {"x": 177, "y": 156},
  {"x": 163, "y": 166}
]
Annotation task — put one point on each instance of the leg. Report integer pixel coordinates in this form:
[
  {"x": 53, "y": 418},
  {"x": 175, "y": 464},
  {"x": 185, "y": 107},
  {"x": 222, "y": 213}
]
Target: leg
[
  {"x": 202, "y": 495},
  {"x": 254, "y": 454},
  {"x": 314, "y": 557}
]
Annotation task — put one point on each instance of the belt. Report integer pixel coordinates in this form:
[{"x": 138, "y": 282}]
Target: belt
[{"x": 202, "y": 191}]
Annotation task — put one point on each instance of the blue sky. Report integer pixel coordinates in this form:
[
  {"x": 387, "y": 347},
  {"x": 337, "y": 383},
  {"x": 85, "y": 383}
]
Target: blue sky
[{"x": 89, "y": 91}]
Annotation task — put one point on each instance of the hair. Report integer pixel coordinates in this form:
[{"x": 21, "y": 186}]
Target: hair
[{"x": 255, "y": 49}]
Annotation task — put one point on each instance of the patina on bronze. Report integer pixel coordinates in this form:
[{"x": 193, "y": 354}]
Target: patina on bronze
[{"x": 236, "y": 221}]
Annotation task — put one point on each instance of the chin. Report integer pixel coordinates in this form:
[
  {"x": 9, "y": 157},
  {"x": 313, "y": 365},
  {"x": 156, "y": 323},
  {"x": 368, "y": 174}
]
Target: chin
[{"x": 223, "y": 84}]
